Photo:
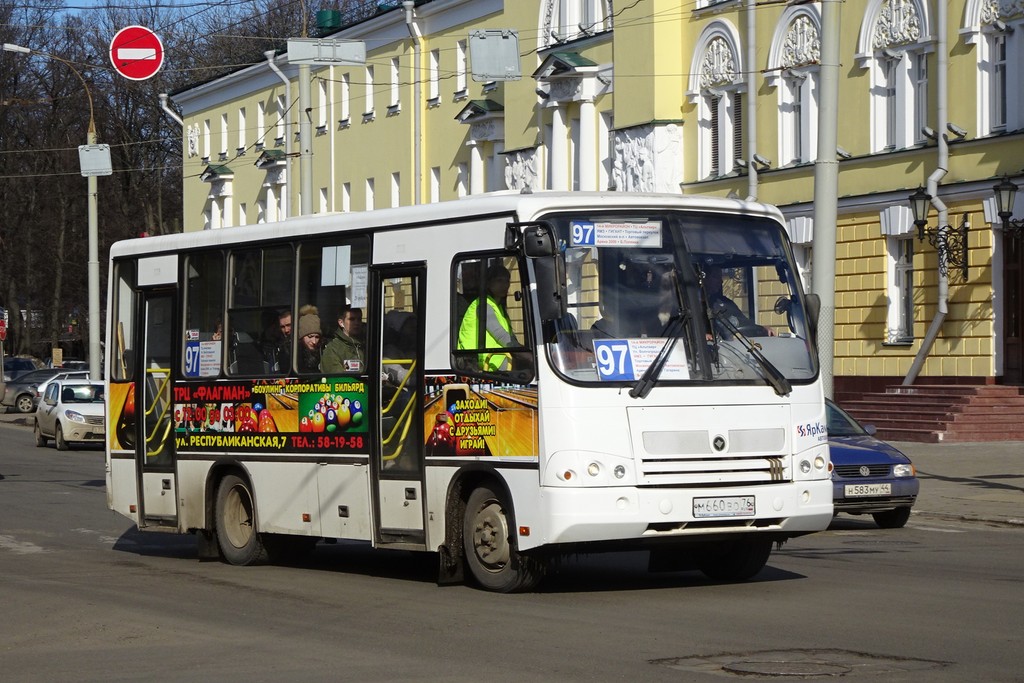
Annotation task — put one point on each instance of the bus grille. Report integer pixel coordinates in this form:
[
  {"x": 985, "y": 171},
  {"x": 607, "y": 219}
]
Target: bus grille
[
  {"x": 705, "y": 471},
  {"x": 706, "y": 446}
]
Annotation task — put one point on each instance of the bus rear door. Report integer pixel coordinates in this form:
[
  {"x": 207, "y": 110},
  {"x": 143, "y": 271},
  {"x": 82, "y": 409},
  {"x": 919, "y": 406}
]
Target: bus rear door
[{"x": 154, "y": 437}]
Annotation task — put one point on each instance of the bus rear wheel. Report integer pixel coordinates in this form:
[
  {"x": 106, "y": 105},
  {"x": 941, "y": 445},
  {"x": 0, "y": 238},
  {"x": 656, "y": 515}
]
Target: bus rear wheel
[
  {"x": 240, "y": 542},
  {"x": 490, "y": 552},
  {"x": 736, "y": 560}
]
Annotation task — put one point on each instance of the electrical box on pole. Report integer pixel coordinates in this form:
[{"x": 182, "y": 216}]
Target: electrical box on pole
[
  {"x": 95, "y": 160},
  {"x": 494, "y": 55},
  {"x": 326, "y": 51}
]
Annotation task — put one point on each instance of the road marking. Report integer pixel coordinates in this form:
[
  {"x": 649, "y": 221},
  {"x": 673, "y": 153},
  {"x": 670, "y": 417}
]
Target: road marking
[
  {"x": 938, "y": 529},
  {"x": 20, "y": 547}
]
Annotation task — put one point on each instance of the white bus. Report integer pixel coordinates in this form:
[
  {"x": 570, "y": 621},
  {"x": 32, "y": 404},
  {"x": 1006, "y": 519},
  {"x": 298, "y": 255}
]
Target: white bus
[{"x": 542, "y": 373}]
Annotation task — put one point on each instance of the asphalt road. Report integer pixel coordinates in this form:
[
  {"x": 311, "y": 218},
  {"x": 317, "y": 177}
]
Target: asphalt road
[{"x": 85, "y": 597}]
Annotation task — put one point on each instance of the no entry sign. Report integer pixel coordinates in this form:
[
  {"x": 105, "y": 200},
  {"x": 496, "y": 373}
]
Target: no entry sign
[{"x": 136, "y": 53}]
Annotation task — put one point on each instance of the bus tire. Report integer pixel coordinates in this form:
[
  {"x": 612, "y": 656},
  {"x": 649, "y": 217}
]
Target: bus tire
[
  {"x": 237, "y": 531},
  {"x": 736, "y": 560},
  {"x": 489, "y": 547}
]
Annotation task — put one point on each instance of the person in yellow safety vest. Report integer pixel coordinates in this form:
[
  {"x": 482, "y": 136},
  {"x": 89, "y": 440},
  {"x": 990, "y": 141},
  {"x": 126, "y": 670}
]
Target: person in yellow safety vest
[{"x": 498, "y": 329}]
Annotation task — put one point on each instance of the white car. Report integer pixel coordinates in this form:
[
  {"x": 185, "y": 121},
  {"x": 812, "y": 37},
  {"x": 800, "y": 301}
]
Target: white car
[{"x": 71, "y": 411}]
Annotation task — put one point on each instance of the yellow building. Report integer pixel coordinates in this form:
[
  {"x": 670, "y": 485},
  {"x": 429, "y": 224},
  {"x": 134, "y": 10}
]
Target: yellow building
[{"x": 657, "y": 95}]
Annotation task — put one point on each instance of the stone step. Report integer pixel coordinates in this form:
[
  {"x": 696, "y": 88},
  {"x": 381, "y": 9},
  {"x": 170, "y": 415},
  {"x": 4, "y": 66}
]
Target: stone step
[{"x": 933, "y": 413}]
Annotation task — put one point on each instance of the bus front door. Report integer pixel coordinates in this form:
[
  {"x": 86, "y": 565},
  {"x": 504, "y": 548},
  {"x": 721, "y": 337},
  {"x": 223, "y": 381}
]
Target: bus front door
[
  {"x": 154, "y": 438},
  {"x": 396, "y": 372}
]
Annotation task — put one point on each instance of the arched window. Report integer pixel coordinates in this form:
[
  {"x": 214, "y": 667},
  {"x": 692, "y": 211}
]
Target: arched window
[
  {"x": 1000, "y": 44},
  {"x": 793, "y": 69},
  {"x": 894, "y": 46},
  {"x": 717, "y": 89}
]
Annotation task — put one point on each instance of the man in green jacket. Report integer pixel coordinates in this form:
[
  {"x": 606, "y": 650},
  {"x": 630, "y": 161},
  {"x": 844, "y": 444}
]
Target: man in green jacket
[
  {"x": 346, "y": 351},
  {"x": 497, "y": 327}
]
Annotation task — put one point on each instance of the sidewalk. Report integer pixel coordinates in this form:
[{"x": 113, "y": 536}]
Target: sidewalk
[
  {"x": 982, "y": 482},
  {"x": 970, "y": 481}
]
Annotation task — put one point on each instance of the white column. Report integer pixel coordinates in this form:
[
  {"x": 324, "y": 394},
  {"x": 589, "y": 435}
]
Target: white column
[
  {"x": 476, "y": 167},
  {"x": 588, "y": 146},
  {"x": 559, "y": 149}
]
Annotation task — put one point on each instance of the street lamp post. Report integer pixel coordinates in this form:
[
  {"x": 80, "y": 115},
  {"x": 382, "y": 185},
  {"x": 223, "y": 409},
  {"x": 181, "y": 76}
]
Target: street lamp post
[
  {"x": 1006, "y": 192},
  {"x": 94, "y": 259}
]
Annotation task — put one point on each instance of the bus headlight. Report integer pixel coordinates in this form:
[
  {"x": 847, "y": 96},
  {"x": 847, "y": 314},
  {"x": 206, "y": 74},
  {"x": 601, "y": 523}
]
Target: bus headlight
[
  {"x": 805, "y": 466},
  {"x": 619, "y": 471},
  {"x": 819, "y": 462},
  {"x": 593, "y": 469}
]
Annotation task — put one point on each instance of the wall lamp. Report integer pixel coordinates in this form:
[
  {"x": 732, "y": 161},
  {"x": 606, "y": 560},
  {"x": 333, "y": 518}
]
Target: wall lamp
[
  {"x": 950, "y": 242},
  {"x": 1006, "y": 192}
]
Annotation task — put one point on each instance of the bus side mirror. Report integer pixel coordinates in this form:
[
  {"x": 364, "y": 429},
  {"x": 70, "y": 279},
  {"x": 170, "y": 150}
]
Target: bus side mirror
[
  {"x": 539, "y": 241},
  {"x": 551, "y": 295}
]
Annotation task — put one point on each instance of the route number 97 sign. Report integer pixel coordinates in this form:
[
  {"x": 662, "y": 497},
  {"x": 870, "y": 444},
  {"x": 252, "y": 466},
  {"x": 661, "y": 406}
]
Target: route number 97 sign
[{"x": 625, "y": 360}]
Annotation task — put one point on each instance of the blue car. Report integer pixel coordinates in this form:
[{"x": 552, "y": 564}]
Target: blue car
[{"x": 869, "y": 476}]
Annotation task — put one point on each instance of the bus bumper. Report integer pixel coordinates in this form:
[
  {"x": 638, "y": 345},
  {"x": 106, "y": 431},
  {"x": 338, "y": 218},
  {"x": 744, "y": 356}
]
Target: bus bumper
[{"x": 582, "y": 515}]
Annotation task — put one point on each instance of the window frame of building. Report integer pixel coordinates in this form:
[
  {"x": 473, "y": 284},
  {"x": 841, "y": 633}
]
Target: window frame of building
[
  {"x": 900, "y": 280},
  {"x": 461, "y": 51},
  {"x": 434, "y": 77},
  {"x": 368, "y": 111},
  {"x": 395, "y": 104}
]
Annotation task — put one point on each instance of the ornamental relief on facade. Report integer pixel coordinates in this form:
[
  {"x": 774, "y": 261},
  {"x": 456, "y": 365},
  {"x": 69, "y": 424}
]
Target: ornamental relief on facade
[
  {"x": 490, "y": 129},
  {"x": 647, "y": 159},
  {"x": 562, "y": 89},
  {"x": 802, "y": 45},
  {"x": 991, "y": 10},
  {"x": 521, "y": 170},
  {"x": 193, "y": 139},
  {"x": 719, "y": 64},
  {"x": 898, "y": 24},
  {"x": 275, "y": 176}
]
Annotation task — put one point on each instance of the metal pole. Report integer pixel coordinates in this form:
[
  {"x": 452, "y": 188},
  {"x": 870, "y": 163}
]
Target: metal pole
[
  {"x": 95, "y": 367},
  {"x": 305, "y": 142},
  {"x": 826, "y": 192}
]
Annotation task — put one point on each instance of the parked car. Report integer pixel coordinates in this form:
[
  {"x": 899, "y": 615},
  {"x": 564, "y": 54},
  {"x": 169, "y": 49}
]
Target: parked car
[
  {"x": 20, "y": 393},
  {"x": 19, "y": 365},
  {"x": 71, "y": 411},
  {"x": 869, "y": 476}
]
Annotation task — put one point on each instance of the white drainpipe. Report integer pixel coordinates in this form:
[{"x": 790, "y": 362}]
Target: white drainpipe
[
  {"x": 942, "y": 114},
  {"x": 170, "y": 112}
]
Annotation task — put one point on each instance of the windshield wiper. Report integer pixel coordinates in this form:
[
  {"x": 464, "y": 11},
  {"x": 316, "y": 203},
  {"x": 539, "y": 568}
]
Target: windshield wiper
[
  {"x": 672, "y": 329},
  {"x": 650, "y": 377},
  {"x": 775, "y": 379}
]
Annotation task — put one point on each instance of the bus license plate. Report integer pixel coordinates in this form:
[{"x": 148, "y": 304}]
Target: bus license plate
[
  {"x": 854, "y": 490},
  {"x": 724, "y": 506}
]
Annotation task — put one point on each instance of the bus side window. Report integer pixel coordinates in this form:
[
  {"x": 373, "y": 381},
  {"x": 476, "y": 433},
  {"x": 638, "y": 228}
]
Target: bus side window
[
  {"x": 332, "y": 278},
  {"x": 204, "y": 311},
  {"x": 261, "y": 299},
  {"x": 489, "y": 331},
  {"x": 123, "y": 312}
]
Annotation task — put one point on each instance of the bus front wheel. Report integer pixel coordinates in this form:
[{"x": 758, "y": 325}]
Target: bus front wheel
[
  {"x": 490, "y": 552},
  {"x": 240, "y": 542}
]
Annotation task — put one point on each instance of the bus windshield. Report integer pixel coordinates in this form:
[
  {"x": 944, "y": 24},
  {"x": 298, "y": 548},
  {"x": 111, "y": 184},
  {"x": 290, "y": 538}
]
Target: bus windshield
[{"x": 680, "y": 297}]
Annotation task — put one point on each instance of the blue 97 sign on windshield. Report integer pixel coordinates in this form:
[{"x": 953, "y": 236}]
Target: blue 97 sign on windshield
[{"x": 614, "y": 361}]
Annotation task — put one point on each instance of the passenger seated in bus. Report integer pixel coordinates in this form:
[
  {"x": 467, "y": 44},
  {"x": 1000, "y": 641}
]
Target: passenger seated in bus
[
  {"x": 277, "y": 343},
  {"x": 309, "y": 339},
  {"x": 722, "y": 306},
  {"x": 498, "y": 330},
  {"x": 346, "y": 350}
]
